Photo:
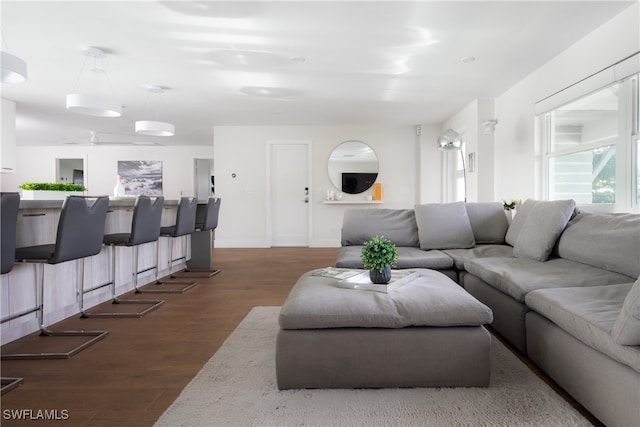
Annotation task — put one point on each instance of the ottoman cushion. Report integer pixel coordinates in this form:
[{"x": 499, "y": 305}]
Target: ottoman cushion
[{"x": 432, "y": 299}]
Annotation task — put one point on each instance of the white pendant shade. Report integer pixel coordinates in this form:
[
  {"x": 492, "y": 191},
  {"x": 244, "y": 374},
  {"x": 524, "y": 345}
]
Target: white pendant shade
[
  {"x": 93, "y": 105},
  {"x": 152, "y": 128},
  {"x": 14, "y": 69}
]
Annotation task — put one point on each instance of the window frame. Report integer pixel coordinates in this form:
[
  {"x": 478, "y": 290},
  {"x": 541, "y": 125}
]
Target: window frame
[{"x": 626, "y": 145}]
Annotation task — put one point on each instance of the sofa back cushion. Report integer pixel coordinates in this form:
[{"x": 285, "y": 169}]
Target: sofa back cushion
[
  {"x": 609, "y": 241},
  {"x": 444, "y": 226},
  {"x": 626, "y": 330},
  {"x": 540, "y": 231},
  {"x": 397, "y": 225},
  {"x": 518, "y": 221},
  {"x": 488, "y": 222}
]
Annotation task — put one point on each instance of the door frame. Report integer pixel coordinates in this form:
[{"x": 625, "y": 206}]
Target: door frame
[{"x": 268, "y": 148}]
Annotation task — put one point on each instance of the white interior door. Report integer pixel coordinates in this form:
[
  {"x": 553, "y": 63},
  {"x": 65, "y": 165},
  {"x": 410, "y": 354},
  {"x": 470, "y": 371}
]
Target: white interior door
[{"x": 289, "y": 193}]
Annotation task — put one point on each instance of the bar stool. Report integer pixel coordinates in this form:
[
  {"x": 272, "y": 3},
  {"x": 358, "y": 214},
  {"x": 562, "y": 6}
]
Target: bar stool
[
  {"x": 209, "y": 223},
  {"x": 9, "y": 205},
  {"x": 185, "y": 224},
  {"x": 145, "y": 228},
  {"x": 79, "y": 235}
]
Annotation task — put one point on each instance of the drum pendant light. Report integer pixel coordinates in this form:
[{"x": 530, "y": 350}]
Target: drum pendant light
[
  {"x": 93, "y": 105},
  {"x": 155, "y": 127},
  {"x": 14, "y": 69}
]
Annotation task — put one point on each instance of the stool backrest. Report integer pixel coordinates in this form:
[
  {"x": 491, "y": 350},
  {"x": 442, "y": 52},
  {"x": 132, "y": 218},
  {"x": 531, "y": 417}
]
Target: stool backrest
[
  {"x": 147, "y": 216},
  {"x": 186, "y": 216},
  {"x": 210, "y": 220},
  {"x": 80, "y": 228},
  {"x": 9, "y": 204}
]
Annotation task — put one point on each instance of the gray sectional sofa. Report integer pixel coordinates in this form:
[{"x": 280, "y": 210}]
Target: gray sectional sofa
[{"x": 563, "y": 285}]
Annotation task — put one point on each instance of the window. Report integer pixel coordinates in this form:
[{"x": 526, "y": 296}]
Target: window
[{"x": 592, "y": 149}]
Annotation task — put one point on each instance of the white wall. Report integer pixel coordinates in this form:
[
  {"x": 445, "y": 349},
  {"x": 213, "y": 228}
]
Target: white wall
[
  {"x": 429, "y": 159},
  {"x": 518, "y": 160},
  {"x": 38, "y": 164},
  {"x": 240, "y": 150}
]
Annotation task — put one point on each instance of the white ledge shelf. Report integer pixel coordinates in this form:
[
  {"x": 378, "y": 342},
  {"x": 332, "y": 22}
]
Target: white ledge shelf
[{"x": 353, "y": 202}]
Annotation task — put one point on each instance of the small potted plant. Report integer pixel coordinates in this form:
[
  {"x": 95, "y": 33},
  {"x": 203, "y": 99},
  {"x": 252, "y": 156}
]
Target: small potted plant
[{"x": 378, "y": 256}]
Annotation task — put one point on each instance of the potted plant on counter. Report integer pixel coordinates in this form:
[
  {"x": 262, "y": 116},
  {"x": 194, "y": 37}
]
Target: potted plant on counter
[
  {"x": 49, "y": 190},
  {"x": 379, "y": 254}
]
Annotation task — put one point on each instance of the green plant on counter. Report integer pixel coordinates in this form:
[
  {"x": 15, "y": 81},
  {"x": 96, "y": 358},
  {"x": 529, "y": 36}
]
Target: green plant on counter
[
  {"x": 378, "y": 253},
  {"x": 51, "y": 186}
]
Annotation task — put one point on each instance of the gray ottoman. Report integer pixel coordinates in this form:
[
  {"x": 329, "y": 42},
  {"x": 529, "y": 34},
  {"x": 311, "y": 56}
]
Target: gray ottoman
[{"x": 427, "y": 333}]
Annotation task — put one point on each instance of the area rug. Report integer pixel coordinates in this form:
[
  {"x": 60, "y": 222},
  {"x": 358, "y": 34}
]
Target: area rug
[{"x": 237, "y": 387}]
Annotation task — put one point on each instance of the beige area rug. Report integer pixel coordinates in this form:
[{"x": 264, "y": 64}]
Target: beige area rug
[{"x": 237, "y": 387}]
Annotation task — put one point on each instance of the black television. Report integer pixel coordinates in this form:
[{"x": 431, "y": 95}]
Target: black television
[{"x": 357, "y": 182}]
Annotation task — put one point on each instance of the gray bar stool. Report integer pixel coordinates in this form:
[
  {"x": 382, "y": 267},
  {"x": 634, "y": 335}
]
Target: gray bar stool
[
  {"x": 209, "y": 223},
  {"x": 79, "y": 235},
  {"x": 145, "y": 228},
  {"x": 9, "y": 205},
  {"x": 185, "y": 224}
]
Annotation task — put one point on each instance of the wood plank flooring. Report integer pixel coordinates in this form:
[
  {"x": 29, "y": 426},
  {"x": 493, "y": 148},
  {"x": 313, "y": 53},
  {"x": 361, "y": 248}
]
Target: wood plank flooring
[{"x": 134, "y": 374}]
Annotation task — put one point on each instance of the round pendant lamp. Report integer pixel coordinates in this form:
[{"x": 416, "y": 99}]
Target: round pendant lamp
[
  {"x": 93, "y": 105},
  {"x": 14, "y": 69},
  {"x": 153, "y": 128}
]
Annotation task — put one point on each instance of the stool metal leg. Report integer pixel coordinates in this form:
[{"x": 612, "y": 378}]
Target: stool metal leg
[
  {"x": 45, "y": 332},
  {"x": 155, "y": 288},
  {"x": 153, "y": 304}
]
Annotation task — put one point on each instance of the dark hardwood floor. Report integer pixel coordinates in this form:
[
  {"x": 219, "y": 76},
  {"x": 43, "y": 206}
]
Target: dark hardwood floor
[{"x": 138, "y": 370}]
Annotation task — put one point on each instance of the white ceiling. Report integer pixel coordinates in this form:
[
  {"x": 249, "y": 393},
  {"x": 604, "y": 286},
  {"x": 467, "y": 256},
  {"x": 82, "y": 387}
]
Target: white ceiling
[{"x": 304, "y": 63}]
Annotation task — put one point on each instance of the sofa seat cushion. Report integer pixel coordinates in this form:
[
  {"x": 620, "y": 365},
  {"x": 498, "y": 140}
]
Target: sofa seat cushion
[
  {"x": 349, "y": 257},
  {"x": 517, "y": 277},
  {"x": 432, "y": 299},
  {"x": 460, "y": 256},
  {"x": 588, "y": 314}
]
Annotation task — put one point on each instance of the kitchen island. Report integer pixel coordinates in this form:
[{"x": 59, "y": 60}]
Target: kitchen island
[{"x": 37, "y": 224}]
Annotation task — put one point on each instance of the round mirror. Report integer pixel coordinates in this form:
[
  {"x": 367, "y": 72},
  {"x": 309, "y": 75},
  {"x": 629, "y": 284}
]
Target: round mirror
[{"x": 353, "y": 167}]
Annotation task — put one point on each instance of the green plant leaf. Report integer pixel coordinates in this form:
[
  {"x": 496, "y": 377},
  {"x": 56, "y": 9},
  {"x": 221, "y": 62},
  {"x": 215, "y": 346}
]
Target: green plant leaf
[
  {"x": 378, "y": 253},
  {"x": 51, "y": 186}
]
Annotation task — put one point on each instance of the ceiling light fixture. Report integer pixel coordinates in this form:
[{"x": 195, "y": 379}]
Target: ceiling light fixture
[
  {"x": 154, "y": 127},
  {"x": 451, "y": 140},
  {"x": 93, "y": 105},
  {"x": 14, "y": 69}
]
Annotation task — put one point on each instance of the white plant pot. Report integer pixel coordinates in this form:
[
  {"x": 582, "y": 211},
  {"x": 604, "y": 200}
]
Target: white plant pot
[{"x": 48, "y": 195}]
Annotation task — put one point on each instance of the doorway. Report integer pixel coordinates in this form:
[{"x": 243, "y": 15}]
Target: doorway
[
  {"x": 203, "y": 178},
  {"x": 289, "y": 190},
  {"x": 71, "y": 171}
]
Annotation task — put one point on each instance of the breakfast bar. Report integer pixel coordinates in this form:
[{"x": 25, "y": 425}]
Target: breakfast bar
[{"x": 37, "y": 224}]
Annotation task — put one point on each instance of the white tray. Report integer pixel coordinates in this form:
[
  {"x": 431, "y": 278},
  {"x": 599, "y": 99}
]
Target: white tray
[{"x": 399, "y": 278}]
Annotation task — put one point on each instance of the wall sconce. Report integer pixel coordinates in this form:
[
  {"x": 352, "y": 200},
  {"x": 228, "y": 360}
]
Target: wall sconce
[{"x": 489, "y": 126}]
